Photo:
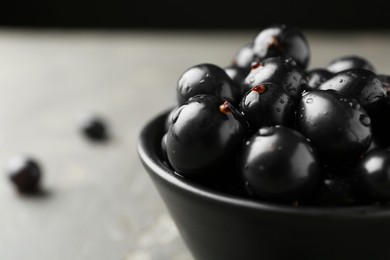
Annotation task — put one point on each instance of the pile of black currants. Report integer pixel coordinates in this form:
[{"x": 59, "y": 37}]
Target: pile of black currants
[{"x": 268, "y": 128}]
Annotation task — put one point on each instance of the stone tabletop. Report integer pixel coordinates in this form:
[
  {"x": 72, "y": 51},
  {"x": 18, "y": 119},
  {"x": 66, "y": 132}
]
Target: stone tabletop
[{"x": 98, "y": 202}]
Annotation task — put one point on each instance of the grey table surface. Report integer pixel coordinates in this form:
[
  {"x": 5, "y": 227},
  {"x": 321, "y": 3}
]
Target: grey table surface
[{"x": 99, "y": 203}]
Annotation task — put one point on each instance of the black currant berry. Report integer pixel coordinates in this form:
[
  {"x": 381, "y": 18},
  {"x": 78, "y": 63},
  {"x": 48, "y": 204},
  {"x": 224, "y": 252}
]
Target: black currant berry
[
  {"x": 207, "y": 79},
  {"x": 279, "y": 164},
  {"x": 282, "y": 40},
  {"x": 267, "y": 105},
  {"x": 24, "y": 173},
  {"x": 94, "y": 127},
  {"x": 337, "y": 125},
  {"x": 361, "y": 84},
  {"x": 279, "y": 71},
  {"x": 204, "y": 135}
]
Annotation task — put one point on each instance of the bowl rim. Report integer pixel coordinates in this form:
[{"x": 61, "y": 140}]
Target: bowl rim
[{"x": 159, "y": 169}]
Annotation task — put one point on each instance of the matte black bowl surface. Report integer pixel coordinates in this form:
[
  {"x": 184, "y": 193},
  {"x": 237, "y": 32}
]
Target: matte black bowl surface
[{"x": 220, "y": 226}]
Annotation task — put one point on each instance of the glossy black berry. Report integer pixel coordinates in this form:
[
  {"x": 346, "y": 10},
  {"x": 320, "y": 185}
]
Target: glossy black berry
[
  {"x": 207, "y": 79},
  {"x": 282, "y": 40},
  {"x": 361, "y": 84},
  {"x": 368, "y": 89},
  {"x": 24, "y": 173},
  {"x": 279, "y": 164},
  {"x": 204, "y": 135},
  {"x": 94, "y": 127},
  {"x": 267, "y": 105},
  {"x": 373, "y": 171},
  {"x": 279, "y": 71},
  {"x": 337, "y": 126},
  {"x": 349, "y": 62}
]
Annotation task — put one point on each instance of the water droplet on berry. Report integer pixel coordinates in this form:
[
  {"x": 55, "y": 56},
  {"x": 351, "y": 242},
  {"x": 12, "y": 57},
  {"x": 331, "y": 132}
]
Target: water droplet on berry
[
  {"x": 365, "y": 120},
  {"x": 309, "y": 101},
  {"x": 266, "y": 131}
]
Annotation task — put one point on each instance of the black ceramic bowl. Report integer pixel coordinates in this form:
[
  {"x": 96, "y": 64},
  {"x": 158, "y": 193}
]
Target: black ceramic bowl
[{"x": 221, "y": 226}]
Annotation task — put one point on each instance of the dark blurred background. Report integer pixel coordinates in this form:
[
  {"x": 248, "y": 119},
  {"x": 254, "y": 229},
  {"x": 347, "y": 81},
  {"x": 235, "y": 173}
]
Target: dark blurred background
[{"x": 199, "y": 14}]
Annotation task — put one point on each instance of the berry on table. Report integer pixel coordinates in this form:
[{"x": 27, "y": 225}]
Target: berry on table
[
  {"x": 24, "y": 172},
  {"x": 94, "y": 127}
]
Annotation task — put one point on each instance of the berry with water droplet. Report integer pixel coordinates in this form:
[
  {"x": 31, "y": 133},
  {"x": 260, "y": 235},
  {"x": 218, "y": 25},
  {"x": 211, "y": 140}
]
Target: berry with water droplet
[
  {"x": 206, "y": 134},
  {"x": 279, "y": 164},
  {"x": 207, "y": 78},
  {"x": 361, "y": 84},
  {"x": 343, "y": 134},
  {"x": 266, "y": 105},
  {"x": 279, "y": 71}
]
